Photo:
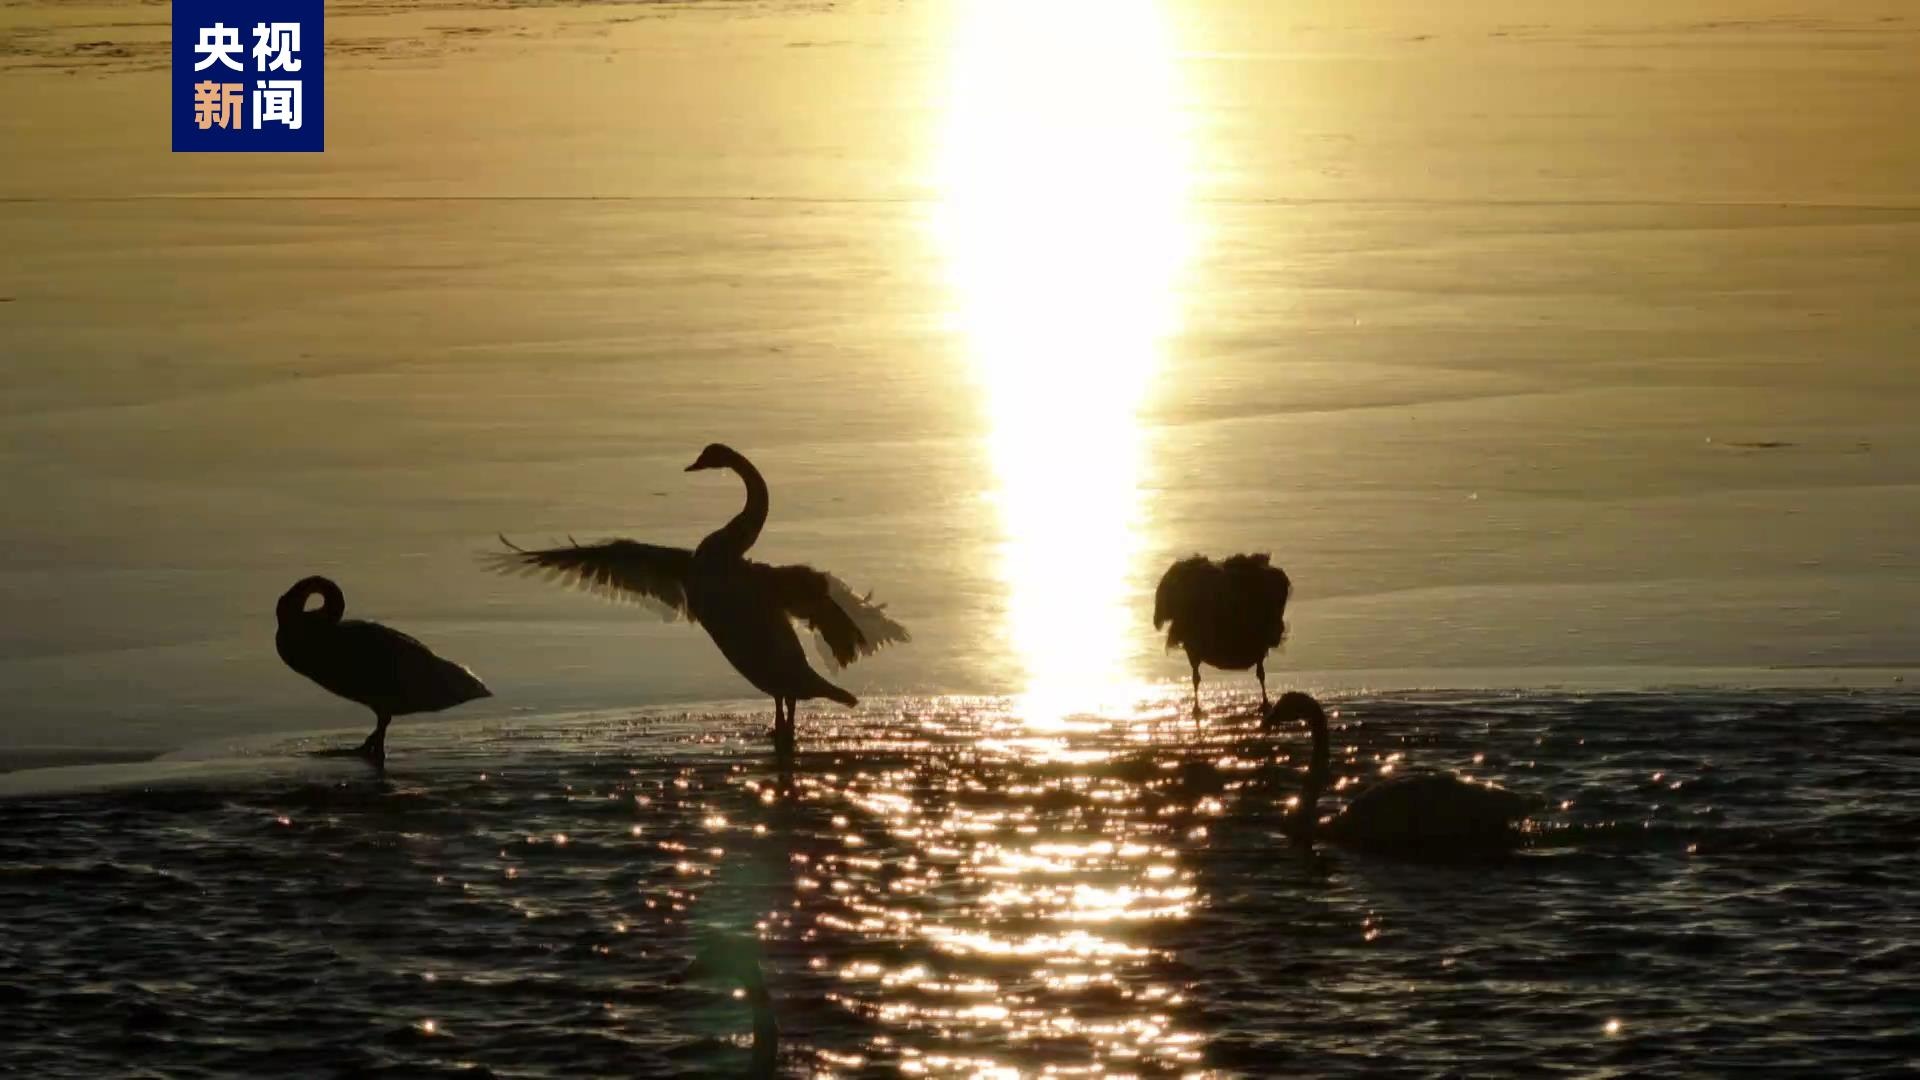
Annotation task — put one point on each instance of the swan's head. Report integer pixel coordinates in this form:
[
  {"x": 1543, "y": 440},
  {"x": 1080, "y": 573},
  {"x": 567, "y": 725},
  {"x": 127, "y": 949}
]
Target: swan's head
[
  {"x": 1292, "y": 708},
  {"x": 716, "y": 456},
  {"x": 733, "y": 959},
  {"x": 293, "y": 603}
]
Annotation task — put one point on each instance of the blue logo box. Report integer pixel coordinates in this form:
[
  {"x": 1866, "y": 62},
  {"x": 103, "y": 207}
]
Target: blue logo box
[{"x": 249, "y": 76}]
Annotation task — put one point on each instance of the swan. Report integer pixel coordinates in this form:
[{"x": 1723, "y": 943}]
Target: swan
[
  {"x": 375, "y": 665},
  {"x": 1425, "y": 813},
  {"x": 1228, "y": 615},
  {"x": 748, "y": 608},
  {"x": 736, "y": 960}
]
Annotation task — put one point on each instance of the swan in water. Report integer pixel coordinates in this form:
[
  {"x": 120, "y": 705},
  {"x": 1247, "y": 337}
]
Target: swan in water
[
  {"x": 736, "y": 960},
  {"x": 748, "y": 608},
  {"x": 1228, "y": 615},
  {"x": 1422, "y": 813},
  {"x": 375, "y": 665}
]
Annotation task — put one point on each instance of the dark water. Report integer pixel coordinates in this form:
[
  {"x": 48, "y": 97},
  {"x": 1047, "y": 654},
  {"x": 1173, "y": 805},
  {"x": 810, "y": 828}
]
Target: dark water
[{"x": 941, "y": 892}]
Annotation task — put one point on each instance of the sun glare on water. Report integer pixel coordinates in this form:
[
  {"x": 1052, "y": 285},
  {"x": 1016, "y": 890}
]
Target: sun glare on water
[{"x": 1064, "y": 228}]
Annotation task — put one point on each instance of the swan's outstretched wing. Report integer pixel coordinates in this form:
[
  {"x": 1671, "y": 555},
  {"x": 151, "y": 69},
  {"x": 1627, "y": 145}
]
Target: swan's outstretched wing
[
  {"x": 649, "y": 574},
  {"x": 846, "y": 626}
]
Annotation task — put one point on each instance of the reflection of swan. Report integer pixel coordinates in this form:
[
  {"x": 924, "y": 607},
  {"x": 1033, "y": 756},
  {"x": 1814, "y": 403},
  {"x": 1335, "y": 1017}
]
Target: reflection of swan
[
  {"x": 1432, "y": 813},
  {"x": 379, "y": 667},
  {"x": 735, "y": 960},
  {"x": 1226, "y": 614},
  {"x": 747, "y": 607}
]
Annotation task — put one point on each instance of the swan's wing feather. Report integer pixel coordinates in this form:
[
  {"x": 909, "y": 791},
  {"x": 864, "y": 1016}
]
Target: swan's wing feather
[
  {"x": 358, "y": 660},
  {"x": 1261, "y": 591},
  {"x": 877, "y": 628},
  {"x": 846, "y": 626},
  {"x": 386, "y": 669},
  {"x": 427, "y": 680},
  {"x": 1432, "y": 805},
  {"x": 648, "y": 574},
  {"x": 1188, "y": 595},
  {"x": 368, "y": 642}
]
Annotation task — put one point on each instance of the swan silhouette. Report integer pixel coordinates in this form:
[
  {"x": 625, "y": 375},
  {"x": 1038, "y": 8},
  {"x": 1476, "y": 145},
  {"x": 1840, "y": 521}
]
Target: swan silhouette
[
  {"x": 736, "y": 960},
  {"x": 375, "y": 665},
  {"x": 748, "y": 608},
  {"x": 1432, "y": 814},
  {"x": 1228, "y": 615}
]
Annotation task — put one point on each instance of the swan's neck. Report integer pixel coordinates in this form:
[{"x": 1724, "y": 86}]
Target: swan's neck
[
  {"x": 766, "y": 1033},
  {"x": 736, "y": 536},
  {"x": 293, "y": 605},
  {"x": 1317, "y": 770}
]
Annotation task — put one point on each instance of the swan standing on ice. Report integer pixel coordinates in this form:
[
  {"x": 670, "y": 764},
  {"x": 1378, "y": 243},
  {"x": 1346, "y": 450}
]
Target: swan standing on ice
[
  {"x": 1418, "y": 813},
  {"x": 1228, "y": 615},
  {"x": 748, "y": 608},
  {"x": 375, "y": 665}
]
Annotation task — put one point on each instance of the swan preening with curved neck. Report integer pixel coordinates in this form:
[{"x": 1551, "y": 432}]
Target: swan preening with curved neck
[
  {"x": 735, "y": 959},
  {"x": 375, "y": 665},
  {"x": 1228, "y": 614},
  {"x": 1434, "y": 814},
  {"x": 748, "y": 608}
]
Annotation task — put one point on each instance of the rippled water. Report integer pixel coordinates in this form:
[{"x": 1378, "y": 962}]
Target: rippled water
[{"x": 940, "y": 891}]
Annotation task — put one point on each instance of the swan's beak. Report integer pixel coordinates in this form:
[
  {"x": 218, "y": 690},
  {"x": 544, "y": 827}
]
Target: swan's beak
[{"x": 695, "y": 467}]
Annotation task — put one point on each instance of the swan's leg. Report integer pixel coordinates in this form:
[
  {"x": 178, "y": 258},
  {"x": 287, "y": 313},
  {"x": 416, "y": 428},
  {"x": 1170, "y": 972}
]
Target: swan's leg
[
  {"x": 375, "y": 748},
  {"x": 1196, "y": 688},
  {"x": 783, "y": 726},
  {"x": 1260, "y": 670}
]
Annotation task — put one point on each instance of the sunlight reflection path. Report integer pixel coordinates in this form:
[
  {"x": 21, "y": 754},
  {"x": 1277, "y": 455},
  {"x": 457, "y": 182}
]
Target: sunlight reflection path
[
  {"x": 998, "y": 913},
  {"x": 1064, "y": 228},
  {"x": 1020, "y": 867}
]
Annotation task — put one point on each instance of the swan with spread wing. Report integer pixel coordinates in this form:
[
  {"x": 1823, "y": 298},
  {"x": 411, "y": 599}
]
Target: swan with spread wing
[
  {"x": 1229, "y": 614},
  {"x": 747, "y": 607}
]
